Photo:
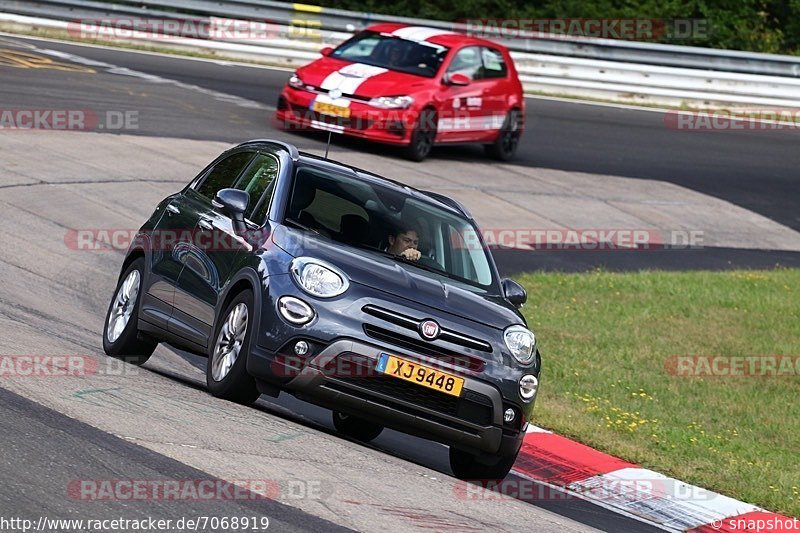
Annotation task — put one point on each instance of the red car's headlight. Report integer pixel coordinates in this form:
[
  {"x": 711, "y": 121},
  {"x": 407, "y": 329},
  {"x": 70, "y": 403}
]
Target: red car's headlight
[{"x": 392, "y": 102}]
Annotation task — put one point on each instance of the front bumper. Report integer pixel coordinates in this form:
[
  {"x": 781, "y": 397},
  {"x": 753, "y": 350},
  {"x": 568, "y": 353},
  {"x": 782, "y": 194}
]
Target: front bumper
[
  {"x": 390, "y": 126},
  {"x": 471, "y": 421},
  {"x": 342, "y": 332}
]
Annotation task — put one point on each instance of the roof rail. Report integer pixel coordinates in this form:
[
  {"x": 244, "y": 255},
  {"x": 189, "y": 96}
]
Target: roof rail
[
  {"x": 292, "y": 149},
  {"x": 449, "y": 201}
]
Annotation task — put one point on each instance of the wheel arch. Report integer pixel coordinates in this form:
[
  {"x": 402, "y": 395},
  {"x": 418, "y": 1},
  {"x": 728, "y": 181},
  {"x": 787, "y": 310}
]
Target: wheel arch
[
  {"x": 133, "y": 255},
  {"x": 246, "y": 279}
]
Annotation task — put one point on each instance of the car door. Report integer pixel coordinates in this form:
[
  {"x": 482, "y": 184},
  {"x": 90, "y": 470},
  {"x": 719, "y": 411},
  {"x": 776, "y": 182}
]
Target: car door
[
  {"x": 168, "y": 238},
  {"x": 209, "y": 266},
  {"x": 463, "y": 113},
  {"x": 497, "y": 90},
  {"x": 174, "y": 235}
]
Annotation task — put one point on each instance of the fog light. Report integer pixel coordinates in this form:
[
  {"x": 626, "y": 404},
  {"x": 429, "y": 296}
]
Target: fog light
[
  {"x": 508, "y": 416},
  {"x": 527, "y": 386},
  {"x": 295, "y": 310},
  {"x": 301, "y": 348}
]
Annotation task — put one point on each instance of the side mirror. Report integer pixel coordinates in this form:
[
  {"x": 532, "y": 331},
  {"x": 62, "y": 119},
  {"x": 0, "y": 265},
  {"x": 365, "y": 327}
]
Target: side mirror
[
  {"x": 457, "y": 79},
  {"x": 326, "y": 51},
  {"x": 233, "y": 203},
  {"x": 514, "y": 292}
]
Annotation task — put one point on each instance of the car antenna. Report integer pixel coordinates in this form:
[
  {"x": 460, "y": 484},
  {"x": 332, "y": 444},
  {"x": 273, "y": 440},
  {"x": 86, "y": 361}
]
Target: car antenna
[{"x": 328, "y": 146}]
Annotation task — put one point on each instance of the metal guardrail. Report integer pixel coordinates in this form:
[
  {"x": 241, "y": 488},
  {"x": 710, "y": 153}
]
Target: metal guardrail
[
  {"x": 330, "y": 20},
  {"x": 299, "y": 31}
]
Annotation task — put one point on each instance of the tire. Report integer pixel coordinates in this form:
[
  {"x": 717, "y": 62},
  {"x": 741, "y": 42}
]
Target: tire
[
  {"x": 423, "y": 136},
  {"x": 355, "y": 427},
  {"x": 471, "y": 467},
  {"x": 121, "y": 336},
  {"x": 505, "y": 146},
  {"x": 226, "y": 371}
]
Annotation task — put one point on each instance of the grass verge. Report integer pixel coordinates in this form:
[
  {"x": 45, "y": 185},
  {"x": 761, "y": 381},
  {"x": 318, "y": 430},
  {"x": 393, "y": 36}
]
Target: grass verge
[{"x": 608, "y": 343}]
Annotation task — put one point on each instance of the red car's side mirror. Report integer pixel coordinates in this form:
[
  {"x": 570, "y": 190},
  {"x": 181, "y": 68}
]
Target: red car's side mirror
[
  {"x": 457, "y": 79},
  {"x": 326, "y": 51}
]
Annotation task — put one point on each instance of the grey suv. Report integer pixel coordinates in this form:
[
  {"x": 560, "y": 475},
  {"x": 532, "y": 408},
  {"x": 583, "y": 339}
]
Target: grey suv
[{"x": 289, "y": 272}]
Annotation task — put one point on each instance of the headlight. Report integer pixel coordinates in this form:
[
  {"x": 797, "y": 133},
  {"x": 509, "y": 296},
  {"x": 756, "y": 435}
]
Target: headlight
[
  {"x": 520, "y": 341},
  {"x": 392, "y": 102},
  {"x": 296, "y": 82},
  {"x": 318, "y": 278}
]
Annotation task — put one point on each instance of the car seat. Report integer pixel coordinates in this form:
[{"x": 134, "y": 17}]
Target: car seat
[{"x": 354, "y": 229}]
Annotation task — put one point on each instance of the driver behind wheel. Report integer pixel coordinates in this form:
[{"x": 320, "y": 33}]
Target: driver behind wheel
[{"x": 404, "y": 241}]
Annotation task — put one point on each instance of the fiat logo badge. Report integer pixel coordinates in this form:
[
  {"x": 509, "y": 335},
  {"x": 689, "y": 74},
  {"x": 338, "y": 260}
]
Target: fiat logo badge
[
  {"x": 335, "y": 93},
  {"x": 429, "y": 329}
]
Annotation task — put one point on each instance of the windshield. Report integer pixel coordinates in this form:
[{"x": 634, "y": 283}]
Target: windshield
[
  {"x": 413, "y": 57},
  {"x": 389, "y": 222}
]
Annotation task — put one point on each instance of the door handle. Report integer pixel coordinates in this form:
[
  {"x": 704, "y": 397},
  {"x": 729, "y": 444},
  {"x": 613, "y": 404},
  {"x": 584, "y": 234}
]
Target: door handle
[
  {"x": 205, "y": 224},
  {"x": 172, "y": 210}
]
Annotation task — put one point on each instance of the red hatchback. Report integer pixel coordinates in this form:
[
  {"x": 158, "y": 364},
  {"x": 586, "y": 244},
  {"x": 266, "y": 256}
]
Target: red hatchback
[{"x": 410, "y": 86}]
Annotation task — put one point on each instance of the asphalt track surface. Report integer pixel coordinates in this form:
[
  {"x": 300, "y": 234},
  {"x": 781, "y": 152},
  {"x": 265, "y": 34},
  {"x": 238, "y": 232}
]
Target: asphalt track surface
[
  {"x": 49, "y": 447},
  {"x": 756, "y": 170},
  {"x": 159, "y": 423}
]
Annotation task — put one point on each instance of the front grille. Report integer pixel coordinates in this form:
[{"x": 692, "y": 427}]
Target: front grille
[
  {"x": 350, "y": 96},
  {"x": 425, "y": 348},
  {"x": 412, "y": 323},
  {"x": 471, "y": 406}
]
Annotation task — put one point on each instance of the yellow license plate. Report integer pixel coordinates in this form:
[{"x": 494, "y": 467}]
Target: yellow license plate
[
  {"x": 331, "y": 109},
  {"x": 420, "y": 374}
]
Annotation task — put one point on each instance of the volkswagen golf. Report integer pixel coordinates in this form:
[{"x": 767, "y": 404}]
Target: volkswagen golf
[{"x": 412, "y": 87}]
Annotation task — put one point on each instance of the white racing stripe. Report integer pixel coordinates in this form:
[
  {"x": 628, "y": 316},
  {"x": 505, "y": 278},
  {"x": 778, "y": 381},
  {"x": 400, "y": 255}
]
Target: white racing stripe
[
  {"x": 349, "y": 78},
  {"x": 419, "y": 33},
  {"x": 485, "y": 123}
]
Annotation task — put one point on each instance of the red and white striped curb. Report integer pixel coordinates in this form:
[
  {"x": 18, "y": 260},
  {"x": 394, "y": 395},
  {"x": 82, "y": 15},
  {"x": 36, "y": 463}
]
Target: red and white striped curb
[{"x": 634, "y": 491}]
